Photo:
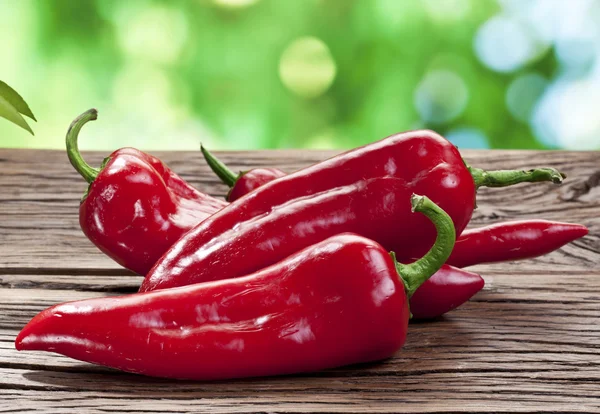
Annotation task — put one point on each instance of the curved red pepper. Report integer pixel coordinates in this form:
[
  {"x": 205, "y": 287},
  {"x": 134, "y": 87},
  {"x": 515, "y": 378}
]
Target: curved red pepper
[
  {"x": 424, "y": 161},
  {"x": 373, "y": 210},
  {"x": 344, "y": 290},
  {"x": 512, "y": 241},
  {"x": 135, "y": 207},
  {"x": 515, "y": 240},
  {"x": 378, "y": 208},
  {"x": 446, "y": 290},
  {"x": 427, "y": 162}
]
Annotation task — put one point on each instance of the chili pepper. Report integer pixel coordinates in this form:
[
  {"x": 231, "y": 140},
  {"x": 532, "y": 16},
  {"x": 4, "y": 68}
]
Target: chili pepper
[
  {"x": 499, "y": 242},
  {"x": 428, "y": 164},
  {"x": 135, "y": 207},
  {"x": 338, "y": 302},
  {"x": 378, "y": 209},
  {"x": 244, "y": 182},
  {"x": 374, "y": 208},
  {"x": 513, "y": 240},
  {"x": 247, "y": 181},
  {"x": 446, "y": 290}
]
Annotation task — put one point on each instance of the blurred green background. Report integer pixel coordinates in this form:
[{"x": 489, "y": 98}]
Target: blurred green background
[{"x": 248, "y": 74}]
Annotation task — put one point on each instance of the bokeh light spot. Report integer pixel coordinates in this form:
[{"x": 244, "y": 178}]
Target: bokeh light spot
[
  {"x": 567, "y": 117},
  {"x": 142, "y": 89},
  {"x": 157, "y": 34},
  {"x": 323, "y": 140},
  {"x": 523, "y": 93},
  {"x": 447, "y": 10},
  {"x": 468, "y": 137},
  {"x": 393, "y": 15},
  {"x": 441, "y": 96},
  {"x": 504, "y": 44},
  {"x": 307, "y": 68},
  {"x": 234, "y": 4},
  {"x": 576, "y": 53}
]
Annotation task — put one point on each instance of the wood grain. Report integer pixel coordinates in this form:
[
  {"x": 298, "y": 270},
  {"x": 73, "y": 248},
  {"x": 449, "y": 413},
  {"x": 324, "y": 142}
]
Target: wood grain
[{"x": 529, "y": 342}]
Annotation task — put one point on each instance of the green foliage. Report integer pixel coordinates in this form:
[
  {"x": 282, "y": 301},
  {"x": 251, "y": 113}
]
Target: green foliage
[
  {"x": 249, "y": 74},
  {"x": 12, "y": 105}
]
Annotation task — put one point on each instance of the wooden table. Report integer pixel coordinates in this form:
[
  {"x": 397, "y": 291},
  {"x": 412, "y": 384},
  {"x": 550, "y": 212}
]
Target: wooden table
[{"x": 530, "y": 341}]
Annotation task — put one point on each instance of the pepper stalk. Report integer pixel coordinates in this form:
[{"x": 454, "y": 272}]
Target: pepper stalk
[
  {"x": 88, "y": 172},
  {"x": 415, "y": 274}
]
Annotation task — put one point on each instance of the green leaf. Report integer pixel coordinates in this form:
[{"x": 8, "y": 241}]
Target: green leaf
[
  {"x": 15, "y": 100},
  {"x": 10, "y": 112}
]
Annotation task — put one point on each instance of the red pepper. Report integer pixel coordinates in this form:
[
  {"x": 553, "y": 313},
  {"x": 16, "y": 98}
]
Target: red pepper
[
  {"x": 335, "y": 303},
  {"x": 446, "y": 290},
  {"x": 515, "y": 240},
  {"x": 449, "y": 288},
  {"x": 135, "y": 207},
  {"x": 428, "y": 164},
  {"x": 244, "y": 182},
  {"x": 512, "y": 241},
  {"x": 248, "y": 181},
  {"x": 378, "y": 209}
]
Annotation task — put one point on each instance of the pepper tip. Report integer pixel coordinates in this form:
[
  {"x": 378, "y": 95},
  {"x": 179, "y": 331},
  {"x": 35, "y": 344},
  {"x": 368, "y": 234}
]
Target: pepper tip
[
  {"x": 19, "y": 341},
  {"x": 558, "y": 177}
]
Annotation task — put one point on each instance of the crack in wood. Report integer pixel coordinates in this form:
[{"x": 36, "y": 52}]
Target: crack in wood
[{"x": 575, "y": 191}]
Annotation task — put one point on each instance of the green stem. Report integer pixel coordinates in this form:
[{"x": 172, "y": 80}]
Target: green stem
[
  {"x": 504, "y": 178},
  {"x": 225, "y": 174},
  {"x": 415, "y": 274},
  {"x": 87, "y": 172}
]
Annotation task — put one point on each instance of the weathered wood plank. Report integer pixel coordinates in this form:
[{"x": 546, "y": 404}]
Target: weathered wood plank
[
  {"x": 74, "y": 282},
  {"x": 351, "y": 399},
  {"x": 435, "y": 378},
  {"x": 41, "y": 191}
]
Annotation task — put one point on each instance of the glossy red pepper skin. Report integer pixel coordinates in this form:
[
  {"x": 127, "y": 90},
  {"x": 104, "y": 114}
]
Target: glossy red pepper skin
[
  {"x": 429, "y": 165},
  {"x": 136, "y": 207},
  {"x": 513, "y": 241},
  {"x": 336, "y": 303},
  {"x": 251, "y": 180},
  {"x": 378, "y": 208},
  {"x": 516, "y": 240},
  {"x": 446, "y": 290}
]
